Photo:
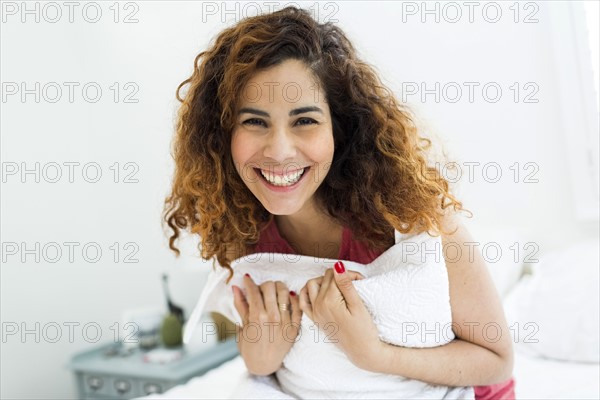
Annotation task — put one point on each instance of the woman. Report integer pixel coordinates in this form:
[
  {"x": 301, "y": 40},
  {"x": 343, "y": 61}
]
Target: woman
[{"x": 287, "y": 142}]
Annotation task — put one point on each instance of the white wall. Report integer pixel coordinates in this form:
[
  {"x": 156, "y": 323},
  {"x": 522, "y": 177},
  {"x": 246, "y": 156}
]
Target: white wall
[{"x": 156, "y": 54}]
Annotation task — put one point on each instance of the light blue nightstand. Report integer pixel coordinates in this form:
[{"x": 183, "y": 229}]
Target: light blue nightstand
[{"x": 101, "y": 377}]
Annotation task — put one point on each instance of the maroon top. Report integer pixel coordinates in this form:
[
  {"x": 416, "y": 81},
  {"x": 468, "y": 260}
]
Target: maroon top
[{"x": 271, "y": 242}]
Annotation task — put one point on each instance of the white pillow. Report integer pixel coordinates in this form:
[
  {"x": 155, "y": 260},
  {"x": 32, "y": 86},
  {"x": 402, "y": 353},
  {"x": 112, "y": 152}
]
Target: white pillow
[{"x": 555, "y": 312}]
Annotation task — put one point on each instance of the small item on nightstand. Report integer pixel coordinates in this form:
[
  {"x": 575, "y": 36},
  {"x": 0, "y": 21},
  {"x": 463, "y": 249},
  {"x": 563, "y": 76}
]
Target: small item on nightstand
[
  {"x": 112, "y": 350},
  {"x": 162, "y": 356},
  {"x": 140, "y": 327},
  {"x": 147, "y": 334},
  {"x": 148, "y": 339},
  {"x": 171, "y": 331},
  {"x": 117, "y": 349},
  {"x": 173, "y": 308}
]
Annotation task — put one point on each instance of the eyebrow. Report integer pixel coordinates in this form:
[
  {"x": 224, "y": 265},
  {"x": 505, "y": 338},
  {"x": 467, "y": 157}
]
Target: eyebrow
[{"x": 293, "y": 112}]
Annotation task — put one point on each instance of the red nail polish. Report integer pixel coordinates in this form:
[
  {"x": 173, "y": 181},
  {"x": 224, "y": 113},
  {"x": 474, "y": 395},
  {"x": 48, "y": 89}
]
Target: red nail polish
[
  {"x": 292, "y": 293},
  {"x": 339, "y": 267},
  {"x": 248, "y": 275}
]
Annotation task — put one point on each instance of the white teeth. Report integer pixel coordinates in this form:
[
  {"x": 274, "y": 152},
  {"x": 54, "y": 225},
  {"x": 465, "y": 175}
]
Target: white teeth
[{"x": 285, "y": 180}]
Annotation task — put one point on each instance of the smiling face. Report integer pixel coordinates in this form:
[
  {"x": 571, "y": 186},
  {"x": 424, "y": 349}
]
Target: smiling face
[{"x": 282, "y": 144}]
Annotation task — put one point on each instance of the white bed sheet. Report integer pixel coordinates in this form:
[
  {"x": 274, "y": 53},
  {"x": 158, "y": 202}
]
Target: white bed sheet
[
  {"x": 218, "y": 383},
  {"x": 535, "y": 378}
]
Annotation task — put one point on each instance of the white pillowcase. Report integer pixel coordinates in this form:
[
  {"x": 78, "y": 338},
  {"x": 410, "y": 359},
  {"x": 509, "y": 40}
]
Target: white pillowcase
[{"x": 555, "y": 312}]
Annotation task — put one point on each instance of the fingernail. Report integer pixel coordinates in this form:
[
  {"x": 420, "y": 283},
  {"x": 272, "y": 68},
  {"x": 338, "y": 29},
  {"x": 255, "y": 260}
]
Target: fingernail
[
  {"x": 232, "y": 288},
  {"x": 248, "y": 275},
  {"x": 292, "y": 293},
  {"x": 339, "y": 267}
]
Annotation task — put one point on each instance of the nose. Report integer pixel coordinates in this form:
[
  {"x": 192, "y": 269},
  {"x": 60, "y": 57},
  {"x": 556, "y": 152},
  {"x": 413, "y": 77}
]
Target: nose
[{"x": 280, "y": 145}]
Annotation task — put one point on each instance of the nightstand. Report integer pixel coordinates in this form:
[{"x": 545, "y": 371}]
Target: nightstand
[{"x": 100, "y": 376}]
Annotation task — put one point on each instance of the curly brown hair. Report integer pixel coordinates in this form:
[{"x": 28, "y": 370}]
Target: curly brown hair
[{"x": 375, "y": 137}]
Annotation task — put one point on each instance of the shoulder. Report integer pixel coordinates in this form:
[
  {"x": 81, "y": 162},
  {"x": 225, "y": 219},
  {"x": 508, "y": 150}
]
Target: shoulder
[
  {"x": 462, "y": 258},
  {"x": 452, "y": 222}
]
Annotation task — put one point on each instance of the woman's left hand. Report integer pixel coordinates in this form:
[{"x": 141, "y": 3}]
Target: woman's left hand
[{"x": 332, "y": 302}]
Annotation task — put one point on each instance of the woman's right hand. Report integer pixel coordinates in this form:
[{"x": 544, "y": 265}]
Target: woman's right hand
[{"x": 267, "y": 333}]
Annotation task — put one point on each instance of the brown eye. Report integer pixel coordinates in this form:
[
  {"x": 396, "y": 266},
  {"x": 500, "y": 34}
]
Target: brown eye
[
  {"x": 254, "y": 121},
  {"x": 306, "y": 121}
]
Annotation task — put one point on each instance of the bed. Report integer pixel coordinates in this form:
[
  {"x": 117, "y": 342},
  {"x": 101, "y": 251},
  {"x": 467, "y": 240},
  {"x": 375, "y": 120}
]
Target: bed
[
  {"x": 552, "y": 309},
  {"x": 535, "y": 378}
]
